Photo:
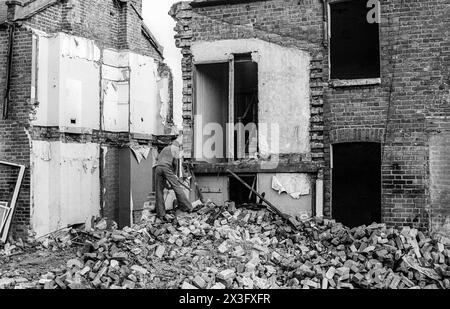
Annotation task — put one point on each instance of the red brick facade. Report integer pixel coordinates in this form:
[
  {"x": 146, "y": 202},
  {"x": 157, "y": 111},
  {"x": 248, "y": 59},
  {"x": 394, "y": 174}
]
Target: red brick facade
[{"x": 415, "y": 62}]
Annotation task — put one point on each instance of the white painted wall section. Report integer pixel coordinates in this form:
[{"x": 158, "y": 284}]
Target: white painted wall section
[
  {"x": 163, "y": 104},
  {"x": 115, "y": 105},
  {"x": 48, "y": 80},
  {"x": 319, "y": 198},
  {"x": 284, "y": 91},
  {"x": 135, "y": 97},
  {"x": 284, "y": 201},
  {"x": 66, "y": 185},
  {"x": 80, "y": 86},
  {"x": 144, "y": 95},
  {"x": 74, "y": 76},
  {"x": 68, "y": 82}
]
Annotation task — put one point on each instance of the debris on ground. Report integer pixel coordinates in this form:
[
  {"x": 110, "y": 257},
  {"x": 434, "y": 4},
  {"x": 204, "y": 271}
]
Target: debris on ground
[{"x": 223, "y": 247}]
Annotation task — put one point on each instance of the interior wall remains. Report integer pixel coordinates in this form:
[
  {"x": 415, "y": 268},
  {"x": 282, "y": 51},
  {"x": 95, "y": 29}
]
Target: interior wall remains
[
  {"x": 289, "y": 202},
  {"x": 68, "y": 89},
  {"x": 93, "y": 95},
  {"x": 65, "y": 185},
  {"x": 283, "y": 86}
]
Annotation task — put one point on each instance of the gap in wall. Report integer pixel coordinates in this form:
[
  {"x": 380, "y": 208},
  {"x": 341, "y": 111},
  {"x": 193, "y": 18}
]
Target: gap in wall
[{"x": 241, "y": 194}]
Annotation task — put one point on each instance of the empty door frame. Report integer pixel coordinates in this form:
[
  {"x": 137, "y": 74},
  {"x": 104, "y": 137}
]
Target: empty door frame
[
  {"x": 198, "y": 108},
  {"x": 5, "y": 231},
  {"x": 230, "y": 126}
]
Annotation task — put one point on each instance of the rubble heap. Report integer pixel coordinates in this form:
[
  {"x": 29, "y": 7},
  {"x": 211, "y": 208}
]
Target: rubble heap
[{"x": 217, "y": 249}]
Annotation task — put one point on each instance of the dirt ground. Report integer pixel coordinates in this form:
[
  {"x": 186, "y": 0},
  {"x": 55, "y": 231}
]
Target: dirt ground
[{"x": 31, "y": 265}]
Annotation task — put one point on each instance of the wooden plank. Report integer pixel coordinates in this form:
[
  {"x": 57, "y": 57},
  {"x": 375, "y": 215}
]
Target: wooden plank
[
  {"x": 10, "y": 164},
  {"x": 230, "y": 126},
  {"x": 195, "y": 183},
  {"x": 4, "y": 211},
  {"x": 7, "y": 225}
]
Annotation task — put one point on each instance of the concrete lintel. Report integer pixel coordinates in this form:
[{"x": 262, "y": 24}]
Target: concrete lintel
[
  {"x": 245, "y": 168},
  {"x": 141, "y": 136},
  {"x": 354, "y": 82}
]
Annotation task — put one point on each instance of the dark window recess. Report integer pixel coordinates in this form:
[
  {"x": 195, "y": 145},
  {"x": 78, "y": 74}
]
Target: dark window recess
[
  {"x": 354, "y": 46},
  {"x": 245, "y": 105},
  {"x": 356, "y": 188},
  {"x": 241, "y": 194}
]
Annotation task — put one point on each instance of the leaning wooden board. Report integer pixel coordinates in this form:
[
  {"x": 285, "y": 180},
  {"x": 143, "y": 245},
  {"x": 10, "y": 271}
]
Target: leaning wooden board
[
  {"x": 12, "y": 205},
  {"x": 4, "y": 211}
]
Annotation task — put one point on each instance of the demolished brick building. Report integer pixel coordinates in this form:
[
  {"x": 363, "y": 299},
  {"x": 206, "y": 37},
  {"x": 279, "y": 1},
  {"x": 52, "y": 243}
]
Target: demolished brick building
[
  {"x": 358, "y": 90},
  {"x": 86, "y": 99}
]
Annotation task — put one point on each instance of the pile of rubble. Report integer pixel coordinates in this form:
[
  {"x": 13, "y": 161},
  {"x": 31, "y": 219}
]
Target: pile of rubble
[{"x": 218, "y": 248}]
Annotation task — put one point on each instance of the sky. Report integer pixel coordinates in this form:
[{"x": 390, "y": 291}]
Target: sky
[{"x": 156, "y": 17}]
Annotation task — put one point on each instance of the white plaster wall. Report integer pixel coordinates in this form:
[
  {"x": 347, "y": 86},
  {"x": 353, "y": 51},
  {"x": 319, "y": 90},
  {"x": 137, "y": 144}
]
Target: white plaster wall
[
  {"x": 115, "y": 95},
  {"x": 80, "y": 87},
  {"x": 114, "y": 58},
  {"x": 66, "y": 185},
  {"x": 285, "y": 202},
  {"x": 69, "y": 86},
  {"x": 68, "y": 82},
  {"x": 162, "y": 104},
  {"x": 115, "y": 90},
  {"x": 135, "y": 97},
  {"x": 48, "y": 81},
  {"x": 69, "y": 71},
  {"x": 284, "y": 93},
  {"x": 144, "y": 96},
  {"x": 115, "y": 105}
]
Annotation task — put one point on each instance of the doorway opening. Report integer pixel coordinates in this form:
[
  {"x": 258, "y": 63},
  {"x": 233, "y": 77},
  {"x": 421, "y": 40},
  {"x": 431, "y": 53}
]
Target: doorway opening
[
  {"x": 356, "y": 183},
  {"x": 211, "y": 98}
]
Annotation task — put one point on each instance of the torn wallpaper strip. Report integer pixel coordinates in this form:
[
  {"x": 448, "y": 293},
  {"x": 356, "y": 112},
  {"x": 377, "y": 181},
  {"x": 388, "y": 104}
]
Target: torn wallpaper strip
[
  {"x": 296, "y": 185},
  {"x": 140, "y": 152}
]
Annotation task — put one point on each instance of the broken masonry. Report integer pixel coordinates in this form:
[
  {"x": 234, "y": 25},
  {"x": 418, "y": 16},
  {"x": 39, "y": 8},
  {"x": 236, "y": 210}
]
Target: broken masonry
[{"x": 239, "y": 249}]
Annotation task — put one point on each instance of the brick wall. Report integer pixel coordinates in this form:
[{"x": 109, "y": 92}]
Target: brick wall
[
  {"x": 413, "y": 48},
  {"x": 111, "y": 24},
  {"x": 14, "y": 142},
  {"x": 48, "y": 20},
  {"x": 131, "y": 36},
  {"x": 415, "y": 63},
  {"x": 110, "y": 183}
]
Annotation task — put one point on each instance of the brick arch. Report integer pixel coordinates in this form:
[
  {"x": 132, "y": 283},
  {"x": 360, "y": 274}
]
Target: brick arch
[{"x": 350, "y": 135}]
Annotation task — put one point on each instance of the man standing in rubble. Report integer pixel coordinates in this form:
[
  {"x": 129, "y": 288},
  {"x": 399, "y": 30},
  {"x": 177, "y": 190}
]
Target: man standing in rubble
[{"x": 167, "y": 170}]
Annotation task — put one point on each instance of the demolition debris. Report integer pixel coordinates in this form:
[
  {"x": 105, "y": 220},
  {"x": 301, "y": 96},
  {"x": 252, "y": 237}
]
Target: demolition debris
[{"x": 217, "y": 248}]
